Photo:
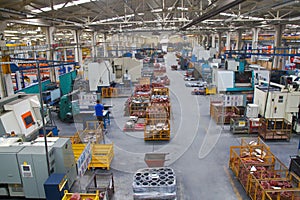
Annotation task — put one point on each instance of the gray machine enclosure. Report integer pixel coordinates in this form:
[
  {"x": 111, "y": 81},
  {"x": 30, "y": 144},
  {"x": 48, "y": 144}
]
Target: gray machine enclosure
[{"x": 23, "y": 168}]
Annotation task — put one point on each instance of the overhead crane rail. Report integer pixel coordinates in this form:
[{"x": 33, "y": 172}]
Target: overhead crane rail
[{"x": 265, "y": 52}]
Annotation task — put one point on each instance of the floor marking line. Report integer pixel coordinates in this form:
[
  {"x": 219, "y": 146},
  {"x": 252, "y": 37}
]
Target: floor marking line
[{"x": 239, "y": 197}]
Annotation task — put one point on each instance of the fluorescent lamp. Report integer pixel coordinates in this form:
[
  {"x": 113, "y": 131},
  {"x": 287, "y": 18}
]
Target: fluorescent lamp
[
  {"x": 9, "y": 35},
  {"x": 31, "y": 32},
  {"x": 10, "y": 31},
  {"x": 156, "y": 10},
  {"x": 59, "y": 6}
]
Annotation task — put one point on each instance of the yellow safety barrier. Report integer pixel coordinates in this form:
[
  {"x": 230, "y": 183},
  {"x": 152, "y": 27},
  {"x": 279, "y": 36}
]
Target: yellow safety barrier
[
  {"x": 83, "y": 196},
  {"x": 102, "y": 154}
]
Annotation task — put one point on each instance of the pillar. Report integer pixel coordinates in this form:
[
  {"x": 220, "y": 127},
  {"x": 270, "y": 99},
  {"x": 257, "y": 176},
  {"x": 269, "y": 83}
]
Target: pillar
[
  {"x": 219, "y": 43},
  {"x": 51, "y": 54},
  {"x": 278, "y": 60},
  {"x": 239, "y": 40},
  {"x": 6, "y": 84},
  {"x": 94, "y": 45},
  {"x": 228, "y": 38},
  {"x": 255, "y": 32},
  {"x": 78, "y": 50},
  {"x": 105, "y": 45},
  {"x": 213, "y": 41}
]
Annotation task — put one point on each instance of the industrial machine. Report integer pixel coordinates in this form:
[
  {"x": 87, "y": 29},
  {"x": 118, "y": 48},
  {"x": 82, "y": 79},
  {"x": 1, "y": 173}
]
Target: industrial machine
[
  {"x": 20, "y": 114},
  {"x": 277, "y": 101},
  {"x": 24, "y": 169},
  {"x": 99, "y": 75},
  {"x": 235, "y": 77},
  {"x": 51, "y": 95},
  {"x": 68, "y": 106}
]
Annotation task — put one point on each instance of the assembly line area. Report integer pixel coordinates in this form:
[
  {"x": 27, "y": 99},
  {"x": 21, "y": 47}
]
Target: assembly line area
[
  {"x": 150, "y": 100},
  {"x": 158, "y": 138}
]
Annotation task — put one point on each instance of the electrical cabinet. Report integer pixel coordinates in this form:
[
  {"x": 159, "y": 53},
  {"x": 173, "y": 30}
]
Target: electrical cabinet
[
  {"x": 55, "y": 186},
  {"x": 232, "y": 65},
  {"x": 252, "y": 111},
  {"x": 278, "y": 104},
  {"x": 64, "y": 159},
  {"x": 9, "y": 169},
  {"x": 223, "y": 79},
  {"x": 34, "y": 170}
]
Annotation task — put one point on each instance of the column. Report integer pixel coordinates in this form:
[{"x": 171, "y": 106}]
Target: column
[
  {"x": 213, "y": 41},
  {"x": 105, "y": 45},
  {"x": 2, "y": 28},
  {"x": 239, "y": 40},
  {"x": 78, "y": 50},
  {"x": 277, "y": 62},
  {"x": 51, "y": 54},
  {"x": 219, "y": 43},
  {"x": 94, "y": 45},
  {"x": 5, "y": 75},
  {"x": 2, "y": 44},
  {"x": 255, "y": 32},
  {"x": 228, "y": 37},
  {"x": 203, "y": 40},
  {"x": 208, "y": 42}
]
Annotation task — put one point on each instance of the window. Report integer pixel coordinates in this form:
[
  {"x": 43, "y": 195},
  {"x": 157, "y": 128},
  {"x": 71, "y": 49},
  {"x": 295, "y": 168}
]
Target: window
[
  {"x": 280, "y": 99},
  {"x": 27, "y": 119}
]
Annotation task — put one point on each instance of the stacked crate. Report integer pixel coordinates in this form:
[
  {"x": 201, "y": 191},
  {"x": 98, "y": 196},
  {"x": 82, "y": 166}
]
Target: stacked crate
[
  {"x": 157, "y": 124},
  {"x": 149, "y": 182},
  {"x": 263, "y": 176},
  {"x": 275, "y": 129}
]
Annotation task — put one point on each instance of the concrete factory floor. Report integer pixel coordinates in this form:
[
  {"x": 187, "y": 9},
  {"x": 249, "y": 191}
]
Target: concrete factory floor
[{"x": 198, "y": 149}]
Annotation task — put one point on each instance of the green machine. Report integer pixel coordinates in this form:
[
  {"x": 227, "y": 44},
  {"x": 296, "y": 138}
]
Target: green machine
[{"x": 68, "y": 104}]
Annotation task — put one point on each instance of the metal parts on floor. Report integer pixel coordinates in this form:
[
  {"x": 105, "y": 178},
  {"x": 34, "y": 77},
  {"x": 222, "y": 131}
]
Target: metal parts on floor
[{"x": 154, "y": 183}]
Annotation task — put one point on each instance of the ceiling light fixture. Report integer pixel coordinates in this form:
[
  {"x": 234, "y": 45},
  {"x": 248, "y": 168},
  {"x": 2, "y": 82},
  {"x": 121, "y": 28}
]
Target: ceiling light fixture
[
  {"x": 10, "y": 31},
  {"x": 284, "y": 4},
  {"x": 59, "y": 6}
]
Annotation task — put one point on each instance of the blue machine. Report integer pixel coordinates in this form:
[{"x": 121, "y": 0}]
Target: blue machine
[
  {"x": 55, "y": 186},
  {"x": 242, "y": 77}
]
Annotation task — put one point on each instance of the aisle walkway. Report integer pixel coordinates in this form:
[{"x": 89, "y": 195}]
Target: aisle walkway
[{"x": 198, "y": 149}]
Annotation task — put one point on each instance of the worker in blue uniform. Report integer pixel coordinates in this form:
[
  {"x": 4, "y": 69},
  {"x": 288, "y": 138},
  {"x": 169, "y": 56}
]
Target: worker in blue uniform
[{"x": 99, "y": 111}]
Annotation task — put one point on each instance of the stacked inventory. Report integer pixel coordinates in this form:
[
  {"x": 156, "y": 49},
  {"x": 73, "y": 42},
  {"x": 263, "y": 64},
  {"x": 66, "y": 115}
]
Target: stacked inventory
[
  {"x": 262, "y": 175},
  {"x": 154, "y": 183},
  {"x": 136, "y": 106},
  {"x": 159, "y": 69},
  {"x": 157, "y": 124},
  {"x": 155, "y": 70},
  {"x": 223, "y": 114},
  {"x": 274, "y": 129}
]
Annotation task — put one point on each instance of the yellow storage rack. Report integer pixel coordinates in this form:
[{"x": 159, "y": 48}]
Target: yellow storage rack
[
  {"x": 139, "y": 108},
  {"x": 160, "y": 91},
  {"x": 263, "y": 176},
  {"x": 102, "y": 154},
  {"x": 157, "y": 129},
  {"x": 109, "y": 92},
  {"x": 157, "y": 111},
  {"x": 211, "y": 90},
  {"x": 274, "y": 129},
  {"x": 83, "y": 196},
  {"x": 144, "y": 81}
]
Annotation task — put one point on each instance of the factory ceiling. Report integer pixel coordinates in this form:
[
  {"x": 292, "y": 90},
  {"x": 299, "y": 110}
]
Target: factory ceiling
[{"x": 113, "y": 16}]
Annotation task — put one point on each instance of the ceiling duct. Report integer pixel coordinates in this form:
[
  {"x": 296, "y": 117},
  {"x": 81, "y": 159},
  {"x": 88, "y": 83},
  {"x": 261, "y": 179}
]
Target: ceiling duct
[{"x": 225, "y": 5}]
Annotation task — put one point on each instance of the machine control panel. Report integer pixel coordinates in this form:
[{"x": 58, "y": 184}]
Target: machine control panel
[{"x": 26, "y": 170}]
